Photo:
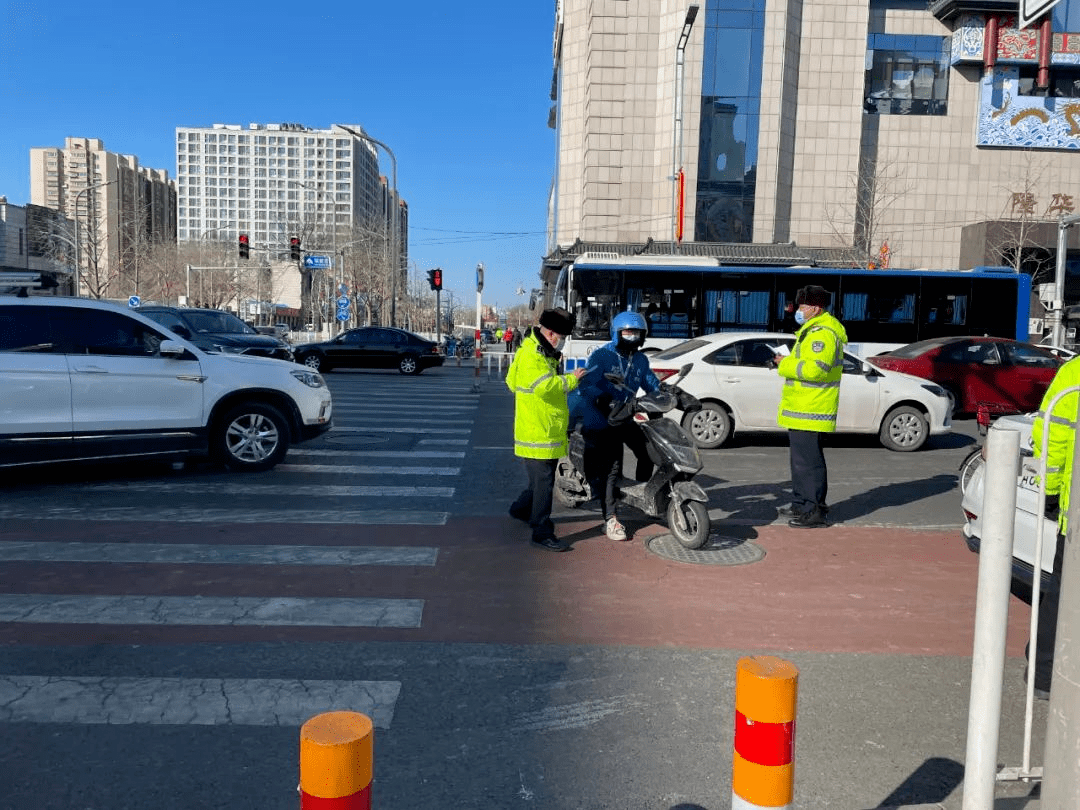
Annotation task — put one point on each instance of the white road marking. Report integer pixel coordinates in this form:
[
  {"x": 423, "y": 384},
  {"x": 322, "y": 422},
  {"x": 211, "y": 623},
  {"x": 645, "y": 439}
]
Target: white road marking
[
  {"x": 216, "y": 554},
  {"x": 295, "y": 493},
  {"x": 189, "y": 701},
  {"x": 196, "y": 514},
  {"x": 210, "y": 610}
]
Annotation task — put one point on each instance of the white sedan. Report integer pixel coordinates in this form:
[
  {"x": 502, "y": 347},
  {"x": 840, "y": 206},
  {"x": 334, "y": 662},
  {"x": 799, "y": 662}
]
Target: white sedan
[
  {"x": 1025, "y": 520},
  {"x": 736, "y": 381}
]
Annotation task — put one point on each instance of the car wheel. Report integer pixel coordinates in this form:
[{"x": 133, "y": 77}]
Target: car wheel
[
  {"x": 710, "y": 427},
  {"x": 251, "y": 437},
  {"x": 409, "y": 365},
  {"x": 314, "y": 362},
  {"x": 904, "y": 429}
]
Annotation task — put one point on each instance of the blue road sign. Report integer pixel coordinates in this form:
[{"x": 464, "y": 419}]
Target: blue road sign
[
  {"x": 316, "y": 262},
  {"x": 134, "y": 301},
  {"x": 343, "y": 314},
  {"x": 343, "y": 301}
]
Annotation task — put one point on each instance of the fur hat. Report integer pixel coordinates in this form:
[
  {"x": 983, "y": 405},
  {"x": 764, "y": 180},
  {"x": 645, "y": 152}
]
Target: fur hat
[
  {"x": 813, "y": 296},
  {"x": 558, "y": 321}
]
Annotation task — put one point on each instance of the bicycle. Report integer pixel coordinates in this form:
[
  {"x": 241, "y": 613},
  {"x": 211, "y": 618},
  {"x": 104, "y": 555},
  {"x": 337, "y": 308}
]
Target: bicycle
[{"x": 986, "y": 413}]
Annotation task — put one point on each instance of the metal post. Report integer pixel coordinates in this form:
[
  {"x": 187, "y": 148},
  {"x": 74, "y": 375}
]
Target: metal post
[
  {"x": 991, "y": 616},
  {"x": 1061, "y": 769},
  {"x": 78, "y": 251},
  {"x": 677, "y": 126}
]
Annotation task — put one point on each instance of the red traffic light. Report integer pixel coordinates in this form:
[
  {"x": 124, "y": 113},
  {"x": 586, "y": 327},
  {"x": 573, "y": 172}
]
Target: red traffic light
[
  {"x": 294, "y": 248},
  {"x": 436, "y": 278},
  {"x": 244, "y": 246}
]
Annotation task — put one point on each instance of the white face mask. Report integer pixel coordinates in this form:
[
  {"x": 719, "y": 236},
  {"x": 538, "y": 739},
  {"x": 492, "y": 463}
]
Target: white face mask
[
  {"x": 800, "y": 317},
  {"x": 558, "y": 344}
]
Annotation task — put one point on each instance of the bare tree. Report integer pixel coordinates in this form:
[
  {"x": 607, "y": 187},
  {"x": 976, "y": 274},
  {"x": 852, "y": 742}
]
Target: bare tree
[
  {"x": 1018, "y": 238},
  {"x": 875, "y": 189}
]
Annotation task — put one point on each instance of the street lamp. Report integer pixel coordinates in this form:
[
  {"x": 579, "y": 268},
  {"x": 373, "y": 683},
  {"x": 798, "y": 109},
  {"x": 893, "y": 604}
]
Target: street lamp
[
  {"x": 393, "y": 217},
  {"x": 333, "y": 213},
  {"x": 677, "y": 176},
  {"x": 78, "y": 252}
]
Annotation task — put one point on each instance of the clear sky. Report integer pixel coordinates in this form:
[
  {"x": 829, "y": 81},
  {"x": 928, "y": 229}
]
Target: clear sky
[{"x": 459, "y": 92}]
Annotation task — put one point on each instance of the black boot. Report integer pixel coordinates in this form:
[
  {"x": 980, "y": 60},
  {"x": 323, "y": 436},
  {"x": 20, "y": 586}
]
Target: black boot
[{"x": 812, "y": 519}]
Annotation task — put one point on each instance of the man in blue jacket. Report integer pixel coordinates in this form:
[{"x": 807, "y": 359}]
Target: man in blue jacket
[{"x": 592, "y": 402}]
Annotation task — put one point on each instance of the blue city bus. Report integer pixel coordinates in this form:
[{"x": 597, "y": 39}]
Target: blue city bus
[{"x": 881, "y": 309}]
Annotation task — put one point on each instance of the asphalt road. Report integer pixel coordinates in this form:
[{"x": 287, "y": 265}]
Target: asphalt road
[{"x": 163, "y": 633}]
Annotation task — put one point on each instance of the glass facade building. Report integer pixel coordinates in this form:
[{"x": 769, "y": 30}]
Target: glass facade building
[{"x": 730, "y": 117}]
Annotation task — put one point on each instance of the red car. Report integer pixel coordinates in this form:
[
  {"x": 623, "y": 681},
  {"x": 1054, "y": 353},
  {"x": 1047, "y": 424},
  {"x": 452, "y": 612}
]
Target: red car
[{"x": 1003, "y": 375}]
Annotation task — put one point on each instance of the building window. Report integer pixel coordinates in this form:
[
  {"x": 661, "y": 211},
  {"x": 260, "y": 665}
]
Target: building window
[
  {"x": 730, "y": 118},
  {"x": 907, "y": 74}
]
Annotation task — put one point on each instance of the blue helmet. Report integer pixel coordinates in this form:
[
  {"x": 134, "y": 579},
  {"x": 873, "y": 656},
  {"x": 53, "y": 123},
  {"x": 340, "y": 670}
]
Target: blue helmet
[{"x": 629, "y": 320}]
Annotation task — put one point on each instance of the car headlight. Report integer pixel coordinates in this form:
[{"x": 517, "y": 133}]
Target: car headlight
[
  {"x": 229, "y": 349},
  {"x": 312, "y": 379},
  {"x": 936, "y": 390}
]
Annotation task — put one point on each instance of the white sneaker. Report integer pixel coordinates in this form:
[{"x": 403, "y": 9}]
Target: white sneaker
[{"x": 614, "y": 529}]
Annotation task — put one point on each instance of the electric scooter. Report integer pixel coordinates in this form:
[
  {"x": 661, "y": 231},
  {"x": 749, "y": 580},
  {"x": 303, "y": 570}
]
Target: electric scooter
[{"x": 670, "y": 493}]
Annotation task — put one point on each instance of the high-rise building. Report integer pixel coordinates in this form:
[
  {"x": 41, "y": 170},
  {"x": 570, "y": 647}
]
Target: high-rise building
[
  {"x": 916, "y": 132},
  {"x": 279, "y": 182},
  {"x": 117, "y": 207},
  {"x": 274, "y": 182}
]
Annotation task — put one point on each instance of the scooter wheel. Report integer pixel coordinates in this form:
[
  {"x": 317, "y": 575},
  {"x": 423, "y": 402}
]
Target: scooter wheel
[
  {"x": 571, "y": 489},
  {"x": 689, "y": 523}
]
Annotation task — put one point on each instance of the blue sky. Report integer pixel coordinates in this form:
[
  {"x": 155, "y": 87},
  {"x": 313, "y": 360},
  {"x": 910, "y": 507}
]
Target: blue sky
[{"x": 459, "y": 92}]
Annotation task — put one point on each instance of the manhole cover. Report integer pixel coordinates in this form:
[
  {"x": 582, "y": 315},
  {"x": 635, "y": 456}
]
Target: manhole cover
[{"x": 717, "y": 551}]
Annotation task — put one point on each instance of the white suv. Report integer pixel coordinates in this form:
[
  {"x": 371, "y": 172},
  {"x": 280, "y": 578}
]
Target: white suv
[{"x": 84, "y": 379}]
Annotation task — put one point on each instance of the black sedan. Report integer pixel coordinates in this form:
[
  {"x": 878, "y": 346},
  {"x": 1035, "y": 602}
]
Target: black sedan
[
  {"x": 214, "y": 330},
  {"x": 372, "y": 347}
]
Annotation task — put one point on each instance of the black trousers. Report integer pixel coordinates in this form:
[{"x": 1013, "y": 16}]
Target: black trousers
[
  {"x": 809, "y": 477},
  {"x": 1046, "y": 639},
  {"x": 535, "y": 499},
  {"x": 604, "y": 461}
]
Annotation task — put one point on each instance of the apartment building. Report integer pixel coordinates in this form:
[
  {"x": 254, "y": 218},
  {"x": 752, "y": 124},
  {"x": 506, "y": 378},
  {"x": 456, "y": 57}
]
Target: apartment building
[
  {"x": 919, "y": 134},
  {"x": 279, "y": 182},
  {"x": 118, "y": 209}
]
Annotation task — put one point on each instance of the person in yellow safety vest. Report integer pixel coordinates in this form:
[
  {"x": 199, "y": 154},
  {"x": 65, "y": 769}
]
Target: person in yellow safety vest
[
  {"x": 1057, "y": 442},
  {"x": 808, "y": 403},
  {"x": 541, "y": 420}
]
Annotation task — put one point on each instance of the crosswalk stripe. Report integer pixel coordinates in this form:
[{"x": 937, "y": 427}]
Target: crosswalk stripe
[
  {"x": 445, "y": 442},
  {"x": 215, "y": 554},
  {"x": 199, "y": 514},
  {"x": 383, "y": 429},
  {"x": 262, "y": 490},
  {"x": 233, "y": 611},
  {"x": 367, "y": 470},
  {"x": 189, "y": 701},
  {"x": 294, "y": 452}
]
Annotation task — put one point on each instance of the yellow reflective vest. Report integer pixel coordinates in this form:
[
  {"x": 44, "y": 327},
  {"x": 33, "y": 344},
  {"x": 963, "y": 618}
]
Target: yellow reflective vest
[
  {"x": 811, "y": 375},
  {"x": 1061, "y": 436},
  {"x": 541, "y": 415}
]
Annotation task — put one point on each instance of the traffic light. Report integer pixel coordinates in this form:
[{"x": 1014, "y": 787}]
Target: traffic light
[
  {"x": 294, "y": 248},
  {"x": 436, "y": 279},
  {"x": 244, "y": 246}
]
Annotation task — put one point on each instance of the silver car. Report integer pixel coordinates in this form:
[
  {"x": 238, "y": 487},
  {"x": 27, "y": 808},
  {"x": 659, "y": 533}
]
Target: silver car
[{"x": 736, "y": 381}]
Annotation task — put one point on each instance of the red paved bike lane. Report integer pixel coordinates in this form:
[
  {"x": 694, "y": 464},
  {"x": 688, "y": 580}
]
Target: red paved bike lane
[{"x": 841, "y": 589}]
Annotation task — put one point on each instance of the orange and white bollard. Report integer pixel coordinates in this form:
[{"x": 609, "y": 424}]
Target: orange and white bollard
[
  {"x": 336, "y": 762},
  {"x": 763, "y": 764}
]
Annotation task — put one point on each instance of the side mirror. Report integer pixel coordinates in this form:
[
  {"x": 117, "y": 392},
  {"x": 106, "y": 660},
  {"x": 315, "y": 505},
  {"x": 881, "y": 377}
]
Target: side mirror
[{"x": 170, "y": 348}]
